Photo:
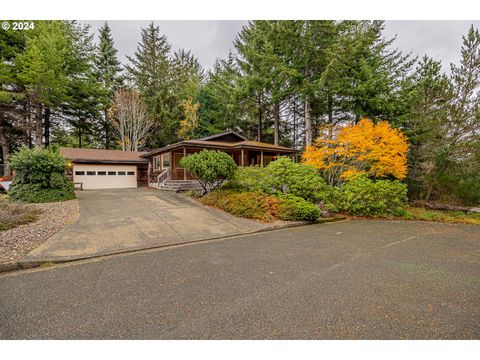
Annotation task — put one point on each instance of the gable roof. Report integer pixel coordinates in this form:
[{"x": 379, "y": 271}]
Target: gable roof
[
  {"x": 102, "y": 155},
  {"x": 231, "y": 135}
]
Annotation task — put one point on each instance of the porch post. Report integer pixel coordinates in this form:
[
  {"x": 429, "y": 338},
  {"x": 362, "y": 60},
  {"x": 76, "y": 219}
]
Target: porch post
[
  {"x": 242, "y": 160},
  {"x": 184, "y": 170},
  {"x": 261, "y": 158}
]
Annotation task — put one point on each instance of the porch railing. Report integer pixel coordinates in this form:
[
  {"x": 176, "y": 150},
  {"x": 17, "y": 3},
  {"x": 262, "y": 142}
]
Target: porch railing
[{"x": 163, "y": 177}]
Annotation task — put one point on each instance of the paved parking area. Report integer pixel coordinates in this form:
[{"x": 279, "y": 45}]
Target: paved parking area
[
  {"x": 348, "y": 280},
  {"x": 120, "y": 220}
]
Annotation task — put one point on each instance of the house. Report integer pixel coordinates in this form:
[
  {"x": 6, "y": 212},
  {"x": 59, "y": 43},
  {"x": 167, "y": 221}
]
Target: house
[{"x": 99, "y": 169}]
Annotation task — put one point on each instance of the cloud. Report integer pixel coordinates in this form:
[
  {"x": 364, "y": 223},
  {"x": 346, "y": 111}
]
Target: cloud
[{"x": 209, "y": 40}]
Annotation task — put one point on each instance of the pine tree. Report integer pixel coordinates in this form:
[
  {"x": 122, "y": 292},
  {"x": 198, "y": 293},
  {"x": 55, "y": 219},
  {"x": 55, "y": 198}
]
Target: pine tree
[
  {"x": 150, "y": 71},
  {"x": 220, "y": 107},
  {"x": 109, "y": 73}
]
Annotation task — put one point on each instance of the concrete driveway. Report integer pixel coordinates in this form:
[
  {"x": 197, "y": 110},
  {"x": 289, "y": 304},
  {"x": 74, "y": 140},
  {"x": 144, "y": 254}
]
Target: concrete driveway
[
  {"x": 345, "y": 280},
  {"x": 120, "y": 220}
]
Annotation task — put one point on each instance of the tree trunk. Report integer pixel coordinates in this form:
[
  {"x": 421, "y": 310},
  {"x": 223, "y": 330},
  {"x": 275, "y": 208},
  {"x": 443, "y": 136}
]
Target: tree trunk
[
  {"x": 308, "y": 124},
  {"x": 276, "y": 110},
  {"x": 107, "y": 131},
  {"x": 5, "y": 149},
  {"x": 47, "y": 126},
  {"x": 38, "y": 126},
  {"x": 260, "y": 116},
  {"x": 294, "y": 123},
  {"x": 80, "y": 136}
]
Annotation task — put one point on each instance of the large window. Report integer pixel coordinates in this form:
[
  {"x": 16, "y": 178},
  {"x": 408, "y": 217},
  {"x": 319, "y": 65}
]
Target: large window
[
  {"x": 165, "y": 161},
  {"x": 161, "y": 162},
  {"x": 157, "y": 165}
]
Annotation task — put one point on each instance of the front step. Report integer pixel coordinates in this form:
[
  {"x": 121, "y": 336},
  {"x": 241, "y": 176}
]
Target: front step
[{"x": 180, "y": 185}]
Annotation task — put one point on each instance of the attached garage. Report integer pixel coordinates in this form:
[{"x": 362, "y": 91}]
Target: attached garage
[
  {"x": 106, "y": 169},
  {"x": 105, "y": 176}
]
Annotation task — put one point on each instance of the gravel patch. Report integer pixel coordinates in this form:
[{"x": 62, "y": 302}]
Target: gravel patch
[{"x": 17, "y": 242}]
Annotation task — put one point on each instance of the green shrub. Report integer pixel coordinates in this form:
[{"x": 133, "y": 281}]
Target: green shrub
[
  {"x": 261, "y": 206},
  {"x": 40, "y": 176},
  {"x": 34, "y": 193},
  {"x": 252, "y": 178},
  {"x": 283, "y": 176},
  {"x": 292, "y": 208},
  {"x": 211, "y": 167},
  {"x": 365, "y": 197},
  {"x": 251, "y": 205}
]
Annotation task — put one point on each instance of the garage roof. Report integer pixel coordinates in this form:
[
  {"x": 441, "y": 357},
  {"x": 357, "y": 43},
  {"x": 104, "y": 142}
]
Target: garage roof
[{"x": 102, "y": 156}]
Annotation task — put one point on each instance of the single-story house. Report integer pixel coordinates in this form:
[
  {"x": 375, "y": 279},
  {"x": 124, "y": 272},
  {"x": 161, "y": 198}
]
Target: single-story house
[{"x": 100, "y": 169}]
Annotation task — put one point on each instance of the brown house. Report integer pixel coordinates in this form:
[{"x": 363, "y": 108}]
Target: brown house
[
  {"x": 97, "y": 169},
  {"x": 243, "y": 151}
]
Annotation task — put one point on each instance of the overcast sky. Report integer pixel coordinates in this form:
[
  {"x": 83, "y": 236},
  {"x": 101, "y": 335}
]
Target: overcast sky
[{"x": 209, "y": 40}]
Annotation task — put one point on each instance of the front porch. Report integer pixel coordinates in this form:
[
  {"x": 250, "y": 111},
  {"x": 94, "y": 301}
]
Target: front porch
[{"x": 166, "y": 166}]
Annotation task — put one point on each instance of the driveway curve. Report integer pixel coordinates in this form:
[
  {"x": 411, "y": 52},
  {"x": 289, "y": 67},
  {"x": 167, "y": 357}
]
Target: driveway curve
[{"x": 121, "y": 220}]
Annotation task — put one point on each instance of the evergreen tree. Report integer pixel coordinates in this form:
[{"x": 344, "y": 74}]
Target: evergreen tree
[
  {"x": 109, "y": 74},
  {"x": 220, "y": 108},
  {"x": 150, "y": 71}
]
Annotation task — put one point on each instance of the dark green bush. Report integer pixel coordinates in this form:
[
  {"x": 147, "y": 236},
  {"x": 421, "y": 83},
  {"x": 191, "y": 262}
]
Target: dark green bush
[
  {"x": 252, "y": 178},
  {"x": 40, "y": 176},
  {"x": 34, "y": 193},
  {"x": 211, "y": 167},
  {"x": 365, "y": 197},
  {"x": 283, "y": 176},
  {"x": 292, "y": 207}
]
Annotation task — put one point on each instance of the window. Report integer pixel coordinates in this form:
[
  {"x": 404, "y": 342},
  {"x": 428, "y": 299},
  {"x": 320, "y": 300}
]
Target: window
[
  {"x": 157, "y": 164},
  {"x": 130, "y": 172},
  {"x": 90, "y": 172},
  {"x": 79, "y": 172},
  {"x": 102, "y": 173},
  {"x": 121, "y": 173},
  {"x": 161, "y": 162},
  {"x": 165, "y": 161}
]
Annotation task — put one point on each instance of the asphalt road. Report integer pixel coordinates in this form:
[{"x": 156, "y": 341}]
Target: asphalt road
[{"x": 349, "y": 280}]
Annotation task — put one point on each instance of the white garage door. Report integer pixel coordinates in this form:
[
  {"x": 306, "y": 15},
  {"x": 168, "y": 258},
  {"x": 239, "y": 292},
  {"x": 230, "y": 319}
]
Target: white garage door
[{"x": 105, "y": 176}]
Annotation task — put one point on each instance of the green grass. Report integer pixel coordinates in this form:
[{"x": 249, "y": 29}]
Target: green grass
[{"x": 454, "y": 217}]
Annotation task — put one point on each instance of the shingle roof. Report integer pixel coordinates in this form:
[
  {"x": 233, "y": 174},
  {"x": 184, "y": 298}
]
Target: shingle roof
[
  {"x": 101, "y": 155},
  {"x": 246, "y": 144}
]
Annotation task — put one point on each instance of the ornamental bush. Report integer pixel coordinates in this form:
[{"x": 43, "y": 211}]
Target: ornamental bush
[
  {"x": 39, "y": 176},
  {"x": 285, "y": 177},
  {"x": 292, "y": 208},
  {"x": 211, "y": 167},
  {"x": 250, "y": 205},
  {"x": 365, "y": 197},
  {"x": 261, "y": 206}
]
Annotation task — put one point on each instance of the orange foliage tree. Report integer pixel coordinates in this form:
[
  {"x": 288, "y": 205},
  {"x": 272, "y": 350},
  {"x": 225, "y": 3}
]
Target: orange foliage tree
[{"x": 375, "y": 150}]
